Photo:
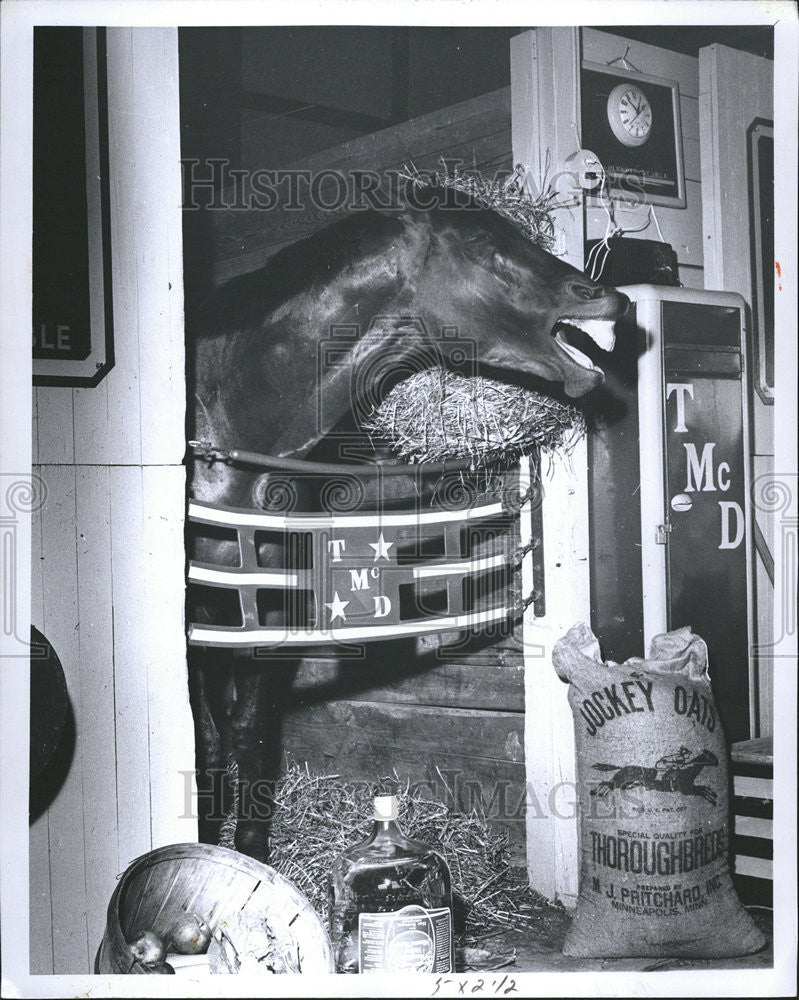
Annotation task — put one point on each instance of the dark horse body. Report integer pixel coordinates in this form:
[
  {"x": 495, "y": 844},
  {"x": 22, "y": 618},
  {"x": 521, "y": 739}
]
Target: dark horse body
[
  {"x": 408, "y": 290},
  {"x": 679, "y": 779}
]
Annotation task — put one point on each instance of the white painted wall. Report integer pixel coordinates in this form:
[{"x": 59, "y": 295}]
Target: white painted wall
[
  {"x": 736, "y": 88},
  {"x": 108, "y": 553}
]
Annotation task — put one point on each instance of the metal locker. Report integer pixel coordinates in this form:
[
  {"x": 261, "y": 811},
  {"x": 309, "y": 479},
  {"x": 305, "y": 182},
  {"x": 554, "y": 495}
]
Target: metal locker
[{"x": 681, "y": 436}]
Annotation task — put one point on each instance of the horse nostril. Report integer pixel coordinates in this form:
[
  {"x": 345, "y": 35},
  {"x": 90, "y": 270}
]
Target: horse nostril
[{"x": 585, "y": 290}]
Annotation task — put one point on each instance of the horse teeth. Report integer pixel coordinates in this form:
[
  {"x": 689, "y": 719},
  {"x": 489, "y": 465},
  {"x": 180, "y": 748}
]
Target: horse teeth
[
  {"x": 575, "y": 355},
  {"x": 599, "y": 330}
]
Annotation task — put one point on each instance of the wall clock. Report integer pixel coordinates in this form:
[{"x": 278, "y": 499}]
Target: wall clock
[
  {"x": 629, "y": 114},
  {"x": 632, "y": 122}
]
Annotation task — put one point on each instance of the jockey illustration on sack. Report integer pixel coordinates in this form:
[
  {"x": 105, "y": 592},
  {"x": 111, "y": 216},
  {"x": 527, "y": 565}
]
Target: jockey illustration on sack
[
  {"x": 668, "y": 768},
  {"x": 674, "y": 772}
]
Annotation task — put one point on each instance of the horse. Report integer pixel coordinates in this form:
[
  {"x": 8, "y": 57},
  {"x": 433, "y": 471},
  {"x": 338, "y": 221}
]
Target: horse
[
  {"x": 381, "y": 293},
  {"x": 680, "y": 779}
]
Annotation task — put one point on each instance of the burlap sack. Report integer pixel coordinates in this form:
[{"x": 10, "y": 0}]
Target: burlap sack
[{"x": 653, "y": 799}]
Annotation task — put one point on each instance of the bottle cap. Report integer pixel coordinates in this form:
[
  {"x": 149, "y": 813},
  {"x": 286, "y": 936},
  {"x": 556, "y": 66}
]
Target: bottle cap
[{"x": 386, "y": 807}]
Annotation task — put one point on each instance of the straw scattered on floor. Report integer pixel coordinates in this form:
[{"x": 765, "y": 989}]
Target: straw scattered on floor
[{"x": 318, "y": 816}]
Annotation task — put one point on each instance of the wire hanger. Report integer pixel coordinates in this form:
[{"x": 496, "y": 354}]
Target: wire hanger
[{"x": 625, "y": 61}]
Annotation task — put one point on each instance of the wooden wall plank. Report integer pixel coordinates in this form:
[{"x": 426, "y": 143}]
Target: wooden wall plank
[
  {"x": 363, "y": 725},
  {"x": 144, "y": 387},
  {"x": 130, "y": 670},
  {"x": 65, "y": 815},
  {"x": 37, "y": 574},
  {"x": 496, "y": 686},
  {"x": 474, "y": 132},
  {"x": 96, "y": 645},
  {"x": 162, "y": 653},
  {"x": 468, "y": 757},
  {"x": 762, "y": 465},
  {"x": 40, "y": 900},
  {"x": 736, "y": 88},
  {"x": 691, "y": 277},
  {"x": 549, "y": 733},
  {"x": 602, "y": 47},
  {"x": 430, "y": 134},
  {"x": 34, "y": 428},
  {"x": 689, "y": 119},
  {"x": 55, "y": 426},
  {"x": 158, "y": 252},
  {"x": 108, "y": 415}
]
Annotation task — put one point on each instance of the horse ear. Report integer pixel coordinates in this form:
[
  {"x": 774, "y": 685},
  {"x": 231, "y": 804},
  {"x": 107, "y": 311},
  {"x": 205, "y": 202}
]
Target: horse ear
[{"x": 481, "y": 250}]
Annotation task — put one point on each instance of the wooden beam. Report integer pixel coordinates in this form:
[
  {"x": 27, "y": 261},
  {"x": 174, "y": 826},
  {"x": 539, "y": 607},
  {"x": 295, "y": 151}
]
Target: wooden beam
[
  {"x": 323, "y": 114},
  {"x": 544, "y": 65}
]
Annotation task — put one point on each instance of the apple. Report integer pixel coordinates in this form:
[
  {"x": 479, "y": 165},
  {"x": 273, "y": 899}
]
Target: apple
[
  {"x": 148, "y": 948},
  {"x": 190, "y": 935}
]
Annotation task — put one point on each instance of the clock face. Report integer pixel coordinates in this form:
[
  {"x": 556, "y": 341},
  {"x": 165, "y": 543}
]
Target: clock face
[{"x": 629, "y": 114}]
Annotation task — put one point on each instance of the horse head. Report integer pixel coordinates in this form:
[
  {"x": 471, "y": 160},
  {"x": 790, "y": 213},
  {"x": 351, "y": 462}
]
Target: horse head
[
  {"x": 524, "y": 310},
  {"x": 290, "y": 348}
]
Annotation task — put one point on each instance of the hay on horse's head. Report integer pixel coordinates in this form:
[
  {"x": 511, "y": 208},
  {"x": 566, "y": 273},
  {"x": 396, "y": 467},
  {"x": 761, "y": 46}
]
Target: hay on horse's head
[{"x": 507, "y": 196}]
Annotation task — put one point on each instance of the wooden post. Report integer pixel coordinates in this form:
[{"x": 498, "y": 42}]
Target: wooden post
[{"x": 544, "y": 107}]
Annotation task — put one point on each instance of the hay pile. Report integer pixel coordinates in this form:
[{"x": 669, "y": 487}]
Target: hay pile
[
  {"x": 436, "y": 415},
  {"x": 318, "y": 816}
]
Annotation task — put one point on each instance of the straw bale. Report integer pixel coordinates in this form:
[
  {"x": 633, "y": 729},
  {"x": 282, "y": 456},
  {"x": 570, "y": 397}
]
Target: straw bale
[{"x": 435, "y": 415}]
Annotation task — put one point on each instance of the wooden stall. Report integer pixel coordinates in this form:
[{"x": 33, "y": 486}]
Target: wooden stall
[{"x": 453, "y": 722}]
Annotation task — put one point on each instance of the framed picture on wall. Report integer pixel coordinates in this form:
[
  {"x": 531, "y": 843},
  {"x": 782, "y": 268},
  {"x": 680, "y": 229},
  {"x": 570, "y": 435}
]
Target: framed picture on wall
[
  {"x": 632, "y": 122},
  {"x": 72, "y": 317},
  {"x": 760, "y": 152}
]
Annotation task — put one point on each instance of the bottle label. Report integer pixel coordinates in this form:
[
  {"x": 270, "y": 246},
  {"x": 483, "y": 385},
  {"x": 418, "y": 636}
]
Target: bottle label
[{"x": 412, "y": 939}]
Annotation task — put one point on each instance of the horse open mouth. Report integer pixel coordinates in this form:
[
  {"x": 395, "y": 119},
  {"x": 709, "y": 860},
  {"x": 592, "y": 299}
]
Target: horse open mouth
[{"x": 578, "y": 338}]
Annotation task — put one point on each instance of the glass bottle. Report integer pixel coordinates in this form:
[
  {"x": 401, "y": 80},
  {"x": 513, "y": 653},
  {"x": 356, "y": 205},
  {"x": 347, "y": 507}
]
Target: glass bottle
[{"x": 391, "y": 901}]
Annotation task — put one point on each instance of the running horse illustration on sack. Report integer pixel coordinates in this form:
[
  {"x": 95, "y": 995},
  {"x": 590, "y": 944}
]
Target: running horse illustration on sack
[
  {"x": 397, "y": 281},
  {"x": 674, "y": 772}
]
